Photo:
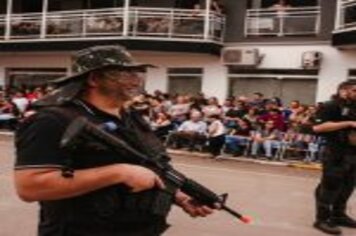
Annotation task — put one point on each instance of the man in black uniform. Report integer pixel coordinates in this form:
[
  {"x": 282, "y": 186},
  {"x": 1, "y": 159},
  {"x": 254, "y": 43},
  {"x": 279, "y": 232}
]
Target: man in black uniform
[
  {"x": 336, "y": 121},
  {"x": 87, "y": 192}
]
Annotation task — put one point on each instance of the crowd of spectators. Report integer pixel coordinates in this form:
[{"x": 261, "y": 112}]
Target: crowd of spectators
[
  {"x": 16, "y": 102},
  {"x": 252, "y": 126}
]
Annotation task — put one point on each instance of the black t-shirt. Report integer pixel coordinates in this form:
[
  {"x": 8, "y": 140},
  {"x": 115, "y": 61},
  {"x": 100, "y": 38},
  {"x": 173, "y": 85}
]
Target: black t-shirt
[
  {"x": 235, "y": 113},
  {"x": 334, "y": 111},
  {"x": 103, "y": 212}
]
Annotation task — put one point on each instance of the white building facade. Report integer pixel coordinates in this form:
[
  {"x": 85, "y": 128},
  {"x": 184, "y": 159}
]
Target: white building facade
[{"x": 191, "y": 62}]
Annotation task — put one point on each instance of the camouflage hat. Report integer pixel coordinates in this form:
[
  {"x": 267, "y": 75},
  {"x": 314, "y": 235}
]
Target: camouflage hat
[
  {"x": 84, "y": 62},
  {"x": 98, "y": 57}
]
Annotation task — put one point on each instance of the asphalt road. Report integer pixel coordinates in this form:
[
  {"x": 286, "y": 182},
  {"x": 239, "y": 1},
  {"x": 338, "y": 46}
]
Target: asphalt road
[{"x": 279, "y": 199}]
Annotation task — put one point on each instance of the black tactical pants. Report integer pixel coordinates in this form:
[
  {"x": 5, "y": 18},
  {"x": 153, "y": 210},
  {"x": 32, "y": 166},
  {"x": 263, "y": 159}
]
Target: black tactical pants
[{"x": 336, "y": 186}]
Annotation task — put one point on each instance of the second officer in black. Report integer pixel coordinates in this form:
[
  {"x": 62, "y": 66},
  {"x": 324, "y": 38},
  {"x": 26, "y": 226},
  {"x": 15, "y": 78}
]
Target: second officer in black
[{"x": 336, "y": 121}]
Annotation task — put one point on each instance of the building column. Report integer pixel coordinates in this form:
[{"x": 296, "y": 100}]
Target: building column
[
  {"x": 126, "y": 18},
  {"x": 207, "y": 19},
  {"x": 44, "y": 18},
  {"x": 215, "y": 73},
  {"x": 2, "y": 76},
  {"x": 8, "y": 19},
  {"x": 339, "y": 15}
]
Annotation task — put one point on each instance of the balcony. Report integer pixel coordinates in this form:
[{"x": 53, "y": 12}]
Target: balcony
[
  {"x": 295, "y": 21},
  {"x": 345, "y": 28},
  {"x": 134, "y": 23}
]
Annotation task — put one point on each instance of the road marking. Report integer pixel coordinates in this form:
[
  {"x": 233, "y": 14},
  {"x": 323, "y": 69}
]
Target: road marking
[{"x": 243, "y": 171}]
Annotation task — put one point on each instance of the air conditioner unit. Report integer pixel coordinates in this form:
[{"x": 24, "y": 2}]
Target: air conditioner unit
[
  {"x": 311, "y": 59},
  {"x": 240, "y": 57}
]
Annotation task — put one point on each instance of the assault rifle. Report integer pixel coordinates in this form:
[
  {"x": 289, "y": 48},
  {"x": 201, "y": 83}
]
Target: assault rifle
[{"x": 82, "y": 127}]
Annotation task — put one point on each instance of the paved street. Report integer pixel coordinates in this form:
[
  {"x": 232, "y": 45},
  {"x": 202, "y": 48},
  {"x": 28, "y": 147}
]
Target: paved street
[{"x": 278, "y": 198}]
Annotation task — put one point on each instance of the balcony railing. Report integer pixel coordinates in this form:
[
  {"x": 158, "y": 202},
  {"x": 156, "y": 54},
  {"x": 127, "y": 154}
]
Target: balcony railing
[
  {"x": 137, "y": 23},
  {"x": 303, "y": 21},
  {"x": 346, "y": 15}
]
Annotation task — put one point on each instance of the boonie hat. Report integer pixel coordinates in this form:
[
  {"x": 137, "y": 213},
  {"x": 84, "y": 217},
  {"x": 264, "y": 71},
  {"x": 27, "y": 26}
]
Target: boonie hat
[{"x": 86, "y": 61}]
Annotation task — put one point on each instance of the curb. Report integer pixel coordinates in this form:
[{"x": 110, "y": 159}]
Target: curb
[
  {"x": 292, "y": 164},
  {"x": 311, "y": 166}
]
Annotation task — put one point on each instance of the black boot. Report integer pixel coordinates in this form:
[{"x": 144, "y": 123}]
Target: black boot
[
  {"x": 323, "y": 223},
  {"x": 340, "y": 218},
  {"x": 327, "y": 227}
]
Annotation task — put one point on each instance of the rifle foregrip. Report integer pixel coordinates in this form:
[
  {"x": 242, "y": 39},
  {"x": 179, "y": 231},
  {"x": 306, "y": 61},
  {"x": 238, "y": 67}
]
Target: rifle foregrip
[{"x": 200, "y": 193}]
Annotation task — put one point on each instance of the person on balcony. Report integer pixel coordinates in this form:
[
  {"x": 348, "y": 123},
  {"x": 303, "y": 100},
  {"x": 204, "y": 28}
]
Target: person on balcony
[{"x": 281, "y": 6}]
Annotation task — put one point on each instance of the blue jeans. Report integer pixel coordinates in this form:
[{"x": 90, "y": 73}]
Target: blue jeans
[
  {"x": 234, "y": 143},
  {"x": 267, "y": 145}
]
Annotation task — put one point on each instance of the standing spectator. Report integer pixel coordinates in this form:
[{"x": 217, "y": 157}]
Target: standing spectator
[
  {"x": 217, "y": 6},
  {"x": 21, "y": 102},
  {"x": 8, "y": 114},
  {"x": 216, "y": 134}
]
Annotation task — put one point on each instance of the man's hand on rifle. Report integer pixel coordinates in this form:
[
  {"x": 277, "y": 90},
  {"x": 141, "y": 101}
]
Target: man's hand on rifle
[
  {"x": 192, "y": 208},
  {"x": 139, "y": 178}
]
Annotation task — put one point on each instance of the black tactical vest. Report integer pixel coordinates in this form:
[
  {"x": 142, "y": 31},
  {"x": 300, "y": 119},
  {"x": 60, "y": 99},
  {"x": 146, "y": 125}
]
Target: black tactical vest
[{"x": 112, "y": 210}]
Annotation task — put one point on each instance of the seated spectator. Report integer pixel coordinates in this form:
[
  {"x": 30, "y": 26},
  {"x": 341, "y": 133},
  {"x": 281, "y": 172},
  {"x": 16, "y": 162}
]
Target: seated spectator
[
  {"x": 257, "y": 100},
  {"x": 296, "y": 141},
  {"x": 235, "y": 114},
  {"x": 238, "y": 140},
  {"x": 156, "y": 106},
  {"x": 299, "y": 114},
  {"x": 228, "y": 105},
  {"x": 179, "y": 111},
  {"x": 213, "y": 108},
  {"x": 162, "y": 125},
  {"x": 191, "y": 132},
  {"x": 216, "y": 134},
  {"x": 8, "y": 114},
  {"x": 275, "y": 116},
  {"x": 267, "y": 138},
  {"x": 252, "y": 117}
]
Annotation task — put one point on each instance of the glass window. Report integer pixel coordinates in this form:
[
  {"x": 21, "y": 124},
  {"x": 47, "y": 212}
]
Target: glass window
[
  {"x": 3, "y": 6},
  {"x": 352, "y": 74},
  {"x": 184, "y": 80},
  {"x": 288, "y": 85},
  {"x": 32, "y": 77}
]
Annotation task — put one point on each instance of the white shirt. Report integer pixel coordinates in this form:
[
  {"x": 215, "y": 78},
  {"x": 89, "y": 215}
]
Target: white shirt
[
  {"x": 199, "y": 126},
  {"x": 21, "y": 103},
  {"x": 216, "y": 128}
]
